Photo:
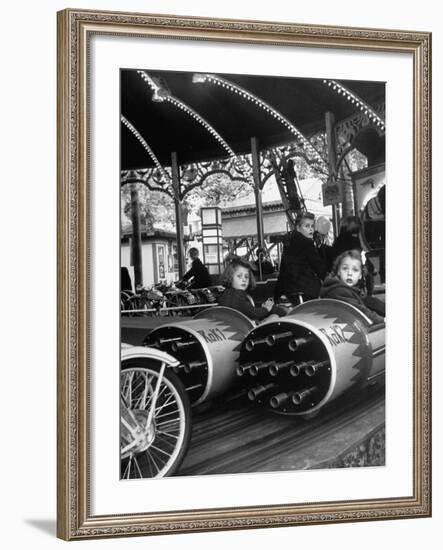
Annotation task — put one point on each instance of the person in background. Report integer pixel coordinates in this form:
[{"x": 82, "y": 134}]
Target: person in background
[
  {"x": 199, "y": 273},
  {"x": 302, "y": 267},
  {"x": 125, "y": 279},
  {"x": 344, "y": 284},
  {"x": 321, "y": 240},
  {"x": 238, "y": 279},
  {"x": 264, "y": 262}
]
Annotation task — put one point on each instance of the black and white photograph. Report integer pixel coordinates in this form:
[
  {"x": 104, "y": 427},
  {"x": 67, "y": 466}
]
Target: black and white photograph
[
  {"x": 252, "y": 273},
  {"x": 243, "y": 299}
]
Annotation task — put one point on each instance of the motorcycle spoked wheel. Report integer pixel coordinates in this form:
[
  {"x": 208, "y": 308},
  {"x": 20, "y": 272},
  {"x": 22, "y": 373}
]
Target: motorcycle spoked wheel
[
  {"x": 186, "y": 312},
  {"x": 158, "y": 450}
]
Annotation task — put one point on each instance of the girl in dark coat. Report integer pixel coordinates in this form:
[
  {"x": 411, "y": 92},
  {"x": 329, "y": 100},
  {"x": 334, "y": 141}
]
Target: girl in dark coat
[
  {"x": 343, "y": 285},
  {"x": 302, "y": 268},
  {"x": 349, "y": 239},
  {"x": 238, "y": 279}
]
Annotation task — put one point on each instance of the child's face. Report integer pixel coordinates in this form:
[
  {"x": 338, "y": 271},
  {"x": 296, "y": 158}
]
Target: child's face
[
  {"x": 349, "y": 271},
  {"x": 306, "y": 227},
  {"x": 240, "y": 279}
]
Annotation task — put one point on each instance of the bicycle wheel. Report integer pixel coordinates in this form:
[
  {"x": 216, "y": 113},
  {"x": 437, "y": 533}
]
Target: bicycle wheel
[
  {"x": 125, "y": 297},
  {"x": 133, "y": 305},
  {"x": 182, "y": 302},
  {"x": 155, "y": 417},
  {"x": 171, "y": 303}
]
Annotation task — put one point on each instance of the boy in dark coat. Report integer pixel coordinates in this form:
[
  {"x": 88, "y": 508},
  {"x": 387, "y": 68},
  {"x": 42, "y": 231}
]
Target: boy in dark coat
[{"x": 302, "y": 268}]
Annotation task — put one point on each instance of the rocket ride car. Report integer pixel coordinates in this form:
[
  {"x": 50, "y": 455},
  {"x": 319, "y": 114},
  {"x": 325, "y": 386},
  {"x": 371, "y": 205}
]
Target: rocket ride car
[
  {"x": 311, "y": 357},
  {"x": 206, "y": 347}
]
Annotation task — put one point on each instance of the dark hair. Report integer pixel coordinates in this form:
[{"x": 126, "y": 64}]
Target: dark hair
[
  {"x": 302, "y": 215},
  {"x": 350, "y": 224},
  {"x": 353, "y": 254},
  {"x": 193, "y": 251},
  {"x": 228, "y": 273}
]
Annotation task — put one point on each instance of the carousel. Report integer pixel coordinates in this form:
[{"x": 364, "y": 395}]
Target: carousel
[{"x": 204, "y": 390}]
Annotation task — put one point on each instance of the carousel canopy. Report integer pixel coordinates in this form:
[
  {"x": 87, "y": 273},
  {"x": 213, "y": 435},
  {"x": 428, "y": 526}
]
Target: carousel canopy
[{"x": 203, "y": 118}]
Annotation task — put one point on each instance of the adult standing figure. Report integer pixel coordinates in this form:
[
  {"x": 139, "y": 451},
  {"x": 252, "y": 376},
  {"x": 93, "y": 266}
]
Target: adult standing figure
[{"x": 302, "y": 268}]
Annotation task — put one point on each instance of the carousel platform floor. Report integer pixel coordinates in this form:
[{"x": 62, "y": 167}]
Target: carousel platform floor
[{"x": 233, "y": 437}]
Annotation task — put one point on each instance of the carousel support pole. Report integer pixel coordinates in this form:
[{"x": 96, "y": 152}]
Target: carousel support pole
[
  {"x": 178, "y": 214},
  {"x": 348, "y": 195},
  {"x": 332, "y": 159},
  {"x": 255, "y": 152},
  {"x": 136, "y": 242},
  {"x": 350, "y": 206}
]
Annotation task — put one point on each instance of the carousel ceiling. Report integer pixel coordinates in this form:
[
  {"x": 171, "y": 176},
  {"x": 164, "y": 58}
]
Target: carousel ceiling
[{"x": 204, "y": 117}]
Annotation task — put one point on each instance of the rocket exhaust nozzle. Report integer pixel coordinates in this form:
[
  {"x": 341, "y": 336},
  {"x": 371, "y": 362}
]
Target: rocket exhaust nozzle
[
  {"x": 260, "y": 391},
  {"x": 311, "y": 370},
  {"x": 272, "y": 339},
  {"x": 241, "y": 370},
  {"x": 160, "y": 341},
  {"x": 296, "y": 343},
  {"x": 275, "y": 369},
  {"x": 258, "y": 367},
  {"x": 279, "y": 400},
  {"x": 299, "y": 397},
  {"x": 188, "y": 367},
  {"x": 177, "y": 346},
  {"x": 250, "y": 344}
]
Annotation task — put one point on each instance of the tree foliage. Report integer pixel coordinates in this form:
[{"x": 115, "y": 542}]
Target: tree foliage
[
  {"x": 157, "y": 209},
  {"x": 217, "y": 190}
]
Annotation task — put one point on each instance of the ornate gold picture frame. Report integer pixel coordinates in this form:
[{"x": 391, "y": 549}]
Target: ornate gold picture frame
[{"x": 78, "y": 516}]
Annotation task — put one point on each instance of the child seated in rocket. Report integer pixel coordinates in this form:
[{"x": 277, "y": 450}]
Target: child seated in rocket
[
  {"x": 343, "y": 284},
  {"x": 238, "y": 279}
]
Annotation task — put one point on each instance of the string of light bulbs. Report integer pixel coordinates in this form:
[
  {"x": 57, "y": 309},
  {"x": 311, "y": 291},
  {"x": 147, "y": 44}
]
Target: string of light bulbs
[
  {"x": 160, "y": 97},
  {"x": 145, "y": 146},
  {"x": 242, "y": 92},
  {"x": 355, "y": 100}
]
